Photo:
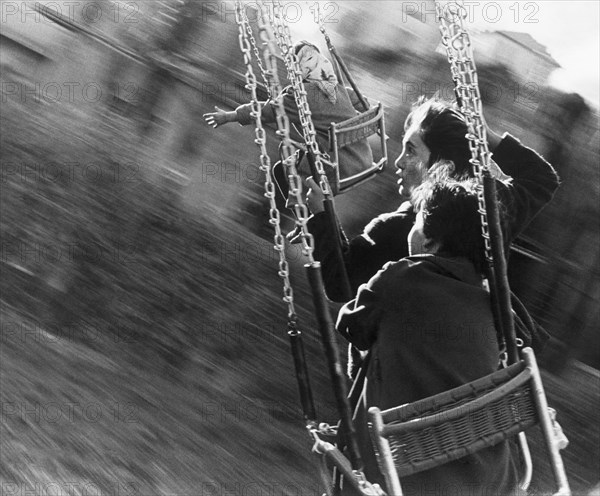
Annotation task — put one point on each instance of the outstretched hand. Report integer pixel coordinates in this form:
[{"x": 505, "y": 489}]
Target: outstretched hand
[{"x": 216, "y": 119}]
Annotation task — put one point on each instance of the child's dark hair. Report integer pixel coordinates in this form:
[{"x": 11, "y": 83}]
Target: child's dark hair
[
  {"x": 443, "y": 130},
  {"x": 451, "y": 218},
  {"x": 301, "y": 44}
]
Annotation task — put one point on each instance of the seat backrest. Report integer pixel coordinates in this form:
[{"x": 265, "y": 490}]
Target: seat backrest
[
  {"x": 433, "y": 431},
  {"x": 359, "y": 127},
  {"x": 356, "y": 128}
]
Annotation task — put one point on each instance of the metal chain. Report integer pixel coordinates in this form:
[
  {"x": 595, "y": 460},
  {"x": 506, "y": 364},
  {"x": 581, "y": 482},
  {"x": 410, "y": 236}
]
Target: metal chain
[
  {"x": 267, "y": 35},
  {"x": 284, "y": 40},
  {"x": 283, "y": 130},
  {"x": 265, "y": 162},
  {"x": 456, "y": 40},
  {"x": 255, "y": 49}
]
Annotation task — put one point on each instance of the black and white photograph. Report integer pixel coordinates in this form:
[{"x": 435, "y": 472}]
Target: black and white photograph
[{"x": 299, "y": 248}]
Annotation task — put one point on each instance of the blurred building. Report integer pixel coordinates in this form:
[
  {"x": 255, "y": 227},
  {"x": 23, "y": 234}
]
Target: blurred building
[
  {"x": 527, "y": 59},
  {"x": 392, "y": 31}
]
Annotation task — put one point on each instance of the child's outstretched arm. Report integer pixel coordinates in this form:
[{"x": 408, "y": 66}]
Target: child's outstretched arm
[
  {"x": 220, "y": 117},
  {"x": 244, "y": 114}
]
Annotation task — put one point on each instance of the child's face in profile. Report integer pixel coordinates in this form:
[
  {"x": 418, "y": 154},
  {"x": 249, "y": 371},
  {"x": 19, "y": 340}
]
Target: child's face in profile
[{"x": 418, "y": 243}]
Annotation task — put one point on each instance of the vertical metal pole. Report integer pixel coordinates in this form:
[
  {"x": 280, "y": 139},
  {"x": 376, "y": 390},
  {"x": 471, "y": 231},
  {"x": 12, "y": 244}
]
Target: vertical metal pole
[
  {"x": 539, "y": 396},
  {"x": 329, "y": 206},
  {"x": 383, "y": 445},
  {"x": 346, "y": 72},
  {"x": 328, "y": 338},
  {"x": 501, "y": 286},
  {"x": 339, "y": 255},
  {"x": 299, "y": 355}
]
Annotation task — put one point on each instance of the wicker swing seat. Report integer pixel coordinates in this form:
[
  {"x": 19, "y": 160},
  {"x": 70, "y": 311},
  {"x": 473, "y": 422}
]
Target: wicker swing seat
[{"x": 419, "y": 436}]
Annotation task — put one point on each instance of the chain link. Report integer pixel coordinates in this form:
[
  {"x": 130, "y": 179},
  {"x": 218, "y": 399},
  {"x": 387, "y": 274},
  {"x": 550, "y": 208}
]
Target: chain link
[
  {"x": 265, "y": 161},
  {"x": 456, "y": 40},
  {"x": 250, "y": 36},
  {"x": 288, "y": 151},
  {"x": 284, "y": 40}
]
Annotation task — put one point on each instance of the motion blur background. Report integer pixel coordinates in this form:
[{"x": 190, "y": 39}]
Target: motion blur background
[{"x": 144, "y": 345}]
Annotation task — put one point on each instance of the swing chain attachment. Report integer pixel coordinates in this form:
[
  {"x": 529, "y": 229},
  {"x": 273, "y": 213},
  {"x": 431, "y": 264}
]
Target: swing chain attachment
[
  {"x": 321, "y": 23},
  {"x": 284, "y": 41},
  {"x": 283, "y": 130},
  {"x": 451, "y": 16},
  {"x": 265, "y": 161},
  {"x": 328, "y": 452},
  {"x": 252, "y": 40},
  {"x": 456, "y": 40}
]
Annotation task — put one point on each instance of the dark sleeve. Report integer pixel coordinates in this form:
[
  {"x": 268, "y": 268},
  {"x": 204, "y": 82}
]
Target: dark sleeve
[
  {"x": 268, "y": 109},
  {"x": 534, "y": 182},
  {"x": 325, "y": 252},
  {"x": 244, "y": 112},
  {"x": 358, "y": 320},
  {"x": 383, "y": 240}
]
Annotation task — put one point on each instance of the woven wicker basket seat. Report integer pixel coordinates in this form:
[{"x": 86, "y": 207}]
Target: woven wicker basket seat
[
  {"x": 418, "y": 436},
  {"x": 461, "y": 421}
]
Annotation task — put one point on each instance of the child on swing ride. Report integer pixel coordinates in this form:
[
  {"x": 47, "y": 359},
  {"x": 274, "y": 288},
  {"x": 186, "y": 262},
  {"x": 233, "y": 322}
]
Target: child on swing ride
[
  {"x": 329, "y": 101},
  {"x": 428, "y": 323}
]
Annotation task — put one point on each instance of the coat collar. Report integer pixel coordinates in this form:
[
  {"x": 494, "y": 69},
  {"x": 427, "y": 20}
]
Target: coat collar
[{"x": 457, "y": 267}]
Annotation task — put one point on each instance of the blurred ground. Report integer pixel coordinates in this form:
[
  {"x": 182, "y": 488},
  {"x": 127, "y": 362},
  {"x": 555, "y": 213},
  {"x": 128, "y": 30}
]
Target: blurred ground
[
  {"x": 143, "y": 347},
  {"x": 146, "y": 391}
]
